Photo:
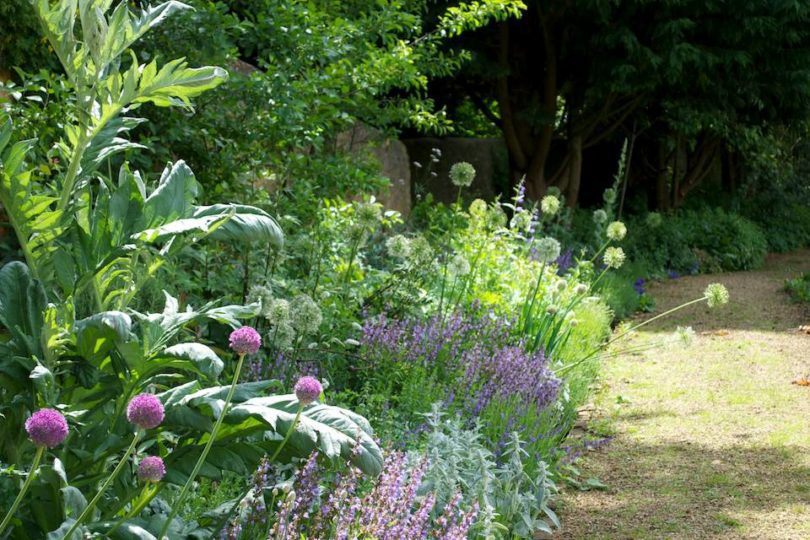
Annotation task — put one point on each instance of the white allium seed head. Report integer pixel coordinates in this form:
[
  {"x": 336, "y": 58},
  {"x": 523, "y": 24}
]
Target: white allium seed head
[
  {"x": 548, "y": 249},
  {"x": 462, "y": 174},
  {"x": 716, "y": 294},
  {"x": 550, "y": 205},
  {"x": 614, "y": 257},
  {"x": 398, "y": 247},
  {"x": 599, "y": 216},
  {"x": 616, "y": 231}
]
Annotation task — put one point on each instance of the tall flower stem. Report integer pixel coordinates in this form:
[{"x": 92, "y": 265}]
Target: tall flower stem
[
  {"x": 105, "y": 485},
  {"x": 197, "y": 466},
  {"x": 21, "y": 494},
  {"x": 147, "y": 494},
  {"x": 289, "y": 433}
]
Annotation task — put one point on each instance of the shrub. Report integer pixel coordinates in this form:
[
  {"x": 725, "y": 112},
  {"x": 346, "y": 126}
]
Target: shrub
[{"x": 799, "y": 288}]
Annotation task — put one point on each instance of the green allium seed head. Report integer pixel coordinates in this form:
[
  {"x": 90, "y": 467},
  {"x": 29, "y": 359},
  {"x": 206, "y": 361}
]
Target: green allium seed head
[
  {"x": 421, "y": 251},
  {"x": 716, "y": 294},
  {"x": 552, "y": 309},
  {"x": 459, "y": 265},
  {"x": 614, "y": 257},
  {"x": 398, "y": 247},
  {"x": 521, "y": 221},
  {"x": 261, "y": 295},
  {"x": 279, "y": 312},
  {"x": 684, "y": 336},
  {"x": 548, "y": 249},
  {"x": 496, "y": 217},
  {"x": 616, "y": 231},
  {"x": 599, "y": 216},
  {"x": 550, "y": 205},
  {"x": 573, "y": 323},
  {"x": 368, "y": 215},
  {"x": 580, "y": 289},
  {"x": 560, "y": 285},
  {"x": 654, "y": 219},
  {"x": 610, "y": 196},
  {"x": 462, "y": 174},
  {"x": 305, "y": 315},
  {"x": 282, "y": 336},
  {"x": 478, "y": 208}
]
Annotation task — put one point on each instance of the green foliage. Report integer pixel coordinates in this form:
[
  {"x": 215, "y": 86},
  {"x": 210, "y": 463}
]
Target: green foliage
[
  {"x": 799, "y": 288},
  {"x": 91, "y": 242}
]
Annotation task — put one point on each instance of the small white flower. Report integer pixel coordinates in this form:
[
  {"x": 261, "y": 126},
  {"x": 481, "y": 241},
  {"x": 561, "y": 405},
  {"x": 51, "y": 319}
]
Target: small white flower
[{"x": 352, "y": 342}]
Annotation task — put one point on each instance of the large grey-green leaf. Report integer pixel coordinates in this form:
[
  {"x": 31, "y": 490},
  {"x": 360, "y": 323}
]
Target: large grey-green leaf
[
  {"x": 172, "y": 199},
  {"x": 247, "y": 224},
  {"x": 334, "y": 431},
  {"x": 22, "y": 302},
  {"x": 97, "y": 335},
  {"x": 196, "y": 356}
]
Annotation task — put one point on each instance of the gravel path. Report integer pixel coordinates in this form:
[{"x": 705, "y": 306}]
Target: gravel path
[{"x": 711, "y": 440}]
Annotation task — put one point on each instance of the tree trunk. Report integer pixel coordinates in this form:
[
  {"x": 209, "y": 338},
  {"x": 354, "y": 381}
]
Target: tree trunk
[
  {"x": 662, "y": 193},
  {"x": 574, "y": 171}
]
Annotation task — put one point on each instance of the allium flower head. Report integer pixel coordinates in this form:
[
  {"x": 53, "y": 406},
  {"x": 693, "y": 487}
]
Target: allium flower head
[
  {"x": 716, "y": 294},
  {"x": 308, "y": 389},
  {"x": 151, "y": 469},
  {"x": 496, "y": 217},
  {"x": 552, "y": 309},
  {"x": 616, "y": 231},
  {"x": 459, "y": 265},
  {"x": 368, "y": 214},
  {"x": 305, "y": 315},
  {"x": 614, "y": 257},
  {"x": 521, "y": 221},
  {"x": 610, "y": 196},
  {"x": 398, "y": 247},
  {"x": 462, "y": 174},
  {"x": 421, "y": 251},
  {"x": 478, "y": 208},
  {"x": 47, "y": 427},
  {"x": 282, "y": 336},
  {"x": 279, "y": 312},
  {"x": 263, "y": 295},
  {"x": 561, "y": 285},
  {"x": 599, "y": 216},
  {"x": 548, "y": 249},
  {"x": 684, "y": 336},
  {"x": 550, "y": 205},
  {"x": 145, "y": 411},
  {"x": 580, "y": 289},
  {"x": 245, "y": 340},
  {"x": 654, "y": 219}
]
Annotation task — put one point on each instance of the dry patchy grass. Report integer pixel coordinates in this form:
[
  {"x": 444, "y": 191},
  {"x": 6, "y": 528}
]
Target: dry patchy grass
[{"x": 713, "y": 440}]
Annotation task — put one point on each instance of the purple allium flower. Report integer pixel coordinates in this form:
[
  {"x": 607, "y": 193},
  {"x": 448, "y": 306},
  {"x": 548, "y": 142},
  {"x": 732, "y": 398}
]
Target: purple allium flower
[
  {"x": 639, "y": 286},
  {"x": 151, "y": 469},
  {"x": 145, "y": 411},
  {"x": 307, "y": 390},
  {"x": 47, "y": 427},
  {"x": 245, "y": 340}
]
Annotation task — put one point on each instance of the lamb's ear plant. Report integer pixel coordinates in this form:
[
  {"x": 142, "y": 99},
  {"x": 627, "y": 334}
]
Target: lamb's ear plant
[{"x": 91, "y": 240}]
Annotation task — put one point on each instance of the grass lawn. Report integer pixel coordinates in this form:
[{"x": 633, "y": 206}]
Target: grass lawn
[{"x": 712, "y": 440}]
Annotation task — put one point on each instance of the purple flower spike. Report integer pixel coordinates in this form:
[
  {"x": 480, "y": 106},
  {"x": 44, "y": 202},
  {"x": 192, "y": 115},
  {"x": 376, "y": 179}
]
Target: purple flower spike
[
  {"x": 307, "y": 390},
  {"x": 145, "y": 411},
  {"x": 151, "y": 469},
  {"x": 245, "y": 340},
  {"x": 47, "y": 427}
]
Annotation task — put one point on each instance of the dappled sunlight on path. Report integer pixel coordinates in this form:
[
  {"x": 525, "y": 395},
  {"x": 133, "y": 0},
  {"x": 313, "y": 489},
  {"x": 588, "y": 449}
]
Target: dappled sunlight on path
[{"x": 713, "y": 440}]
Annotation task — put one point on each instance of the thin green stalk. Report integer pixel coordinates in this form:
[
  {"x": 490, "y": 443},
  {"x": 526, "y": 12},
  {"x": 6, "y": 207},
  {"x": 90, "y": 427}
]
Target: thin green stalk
[
  {"x": 21, "y": 494},
  {"x": 289, "y": 432},
  {"x": 197, "y": 466},
  {"x": 105, "y": 485},
  {"x": 147, "y": 494},
  {"x": 528, "y": 305}
]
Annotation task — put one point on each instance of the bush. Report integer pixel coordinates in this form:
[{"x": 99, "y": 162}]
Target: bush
[{"x": 799, "y": 288}]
